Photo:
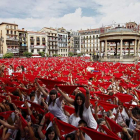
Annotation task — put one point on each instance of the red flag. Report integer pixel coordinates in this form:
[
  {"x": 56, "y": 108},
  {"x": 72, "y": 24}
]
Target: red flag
[
  {"x": 50, "y": 83},
  {"x": 24, "y": 123},
  {"x": 124, "y": 97},
  {"x": 6, "y": 114},
  {"x": 49, "y": 116},
  {"x": 107, "y": 106},
  {"x": 18, "y": 103},
  {"x": 64, "y": 127},
  {"x": 10, "y": 89},
  {"x": 69, "y": 109},
  {"x": 114, "y": 126},
  {"x": 67, "y": 88},
  {"x": 104, "y": 97},
  {"x": 110, "y": 132},
  {"x": 96, "y": 135}
]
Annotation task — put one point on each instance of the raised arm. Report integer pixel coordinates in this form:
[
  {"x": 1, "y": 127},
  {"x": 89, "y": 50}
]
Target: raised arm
[
  {"x": 5, "y": 135},
  {"x": 68, "y": 99},
  {"x": 96, "y": 111},
  {"x": 41, "y": 89},
  {"x": 6, "y": 124},
  {"x": 42, "y": 136},
  {"x": 31, "y": 132},
  {"x": 87, "y": 101}
]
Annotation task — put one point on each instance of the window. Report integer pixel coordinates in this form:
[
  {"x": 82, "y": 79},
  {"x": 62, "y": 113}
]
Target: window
[
  {"x": 37, "y": 50},
  {"x": 37, "y": 39}
]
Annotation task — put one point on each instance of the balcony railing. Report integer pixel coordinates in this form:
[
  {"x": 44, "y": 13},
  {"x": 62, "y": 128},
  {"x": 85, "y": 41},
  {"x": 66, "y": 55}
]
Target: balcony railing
[
  {"x": 10, "y": 50},
  {"x": 37, "y": 46},
  {"x": 11, "y": 38},
  {"x": 53, "y": 49},
  {"x": 52, "y": 35},
  {"x": 52, "y": 39}
]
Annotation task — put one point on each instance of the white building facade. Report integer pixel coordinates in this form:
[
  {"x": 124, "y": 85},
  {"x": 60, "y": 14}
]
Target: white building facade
[
  {"x": 37, "y": 42},
  {"x": 89, "y": 41},
  {"x": 62, "y": 42}
]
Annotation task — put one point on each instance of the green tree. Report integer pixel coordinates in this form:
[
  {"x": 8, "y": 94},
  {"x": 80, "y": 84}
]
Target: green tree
[
  {"x": 79, "y": 54},
  {"x": 27, "y": 54},
  {"x": 71, "y": 54},
  {"x": 54, "y": 55},
  {"x": 8, "y": 55},
  {"x": 47, "y": 55},
  {"x": 42, "y": 54}
]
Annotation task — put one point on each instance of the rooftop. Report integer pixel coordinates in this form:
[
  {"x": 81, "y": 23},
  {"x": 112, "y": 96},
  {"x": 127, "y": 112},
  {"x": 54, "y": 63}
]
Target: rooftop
[
  {"x": 9, "y": 23},
  {"x": 120, "y": 29}
]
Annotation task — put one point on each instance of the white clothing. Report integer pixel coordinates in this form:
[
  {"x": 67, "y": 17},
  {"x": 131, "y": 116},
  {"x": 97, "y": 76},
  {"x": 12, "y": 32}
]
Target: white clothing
[
  {"x": 121, "y": 116},
  {"x": 88, "y": 118},
  {"x": 87, "y": 137},
  {"x": 10, "y": 71},
  {"x": 37, "y": 99},
  {"x": 13, "y": 116},
  {"x": 131, "y": 124},
  {"x": 13, "y": 134},
  {"x": 73, "y": 120},
  {"x": 57, "y": 110}
]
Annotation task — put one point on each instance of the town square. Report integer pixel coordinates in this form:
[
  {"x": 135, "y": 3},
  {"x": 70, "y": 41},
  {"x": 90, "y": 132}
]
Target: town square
[{"x": 69, "y": 70}]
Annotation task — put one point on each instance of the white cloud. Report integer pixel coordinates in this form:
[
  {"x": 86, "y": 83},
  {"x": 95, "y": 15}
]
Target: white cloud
[
  {"x": 73, "y": 21},
  {"x": 35, "y": 14}
]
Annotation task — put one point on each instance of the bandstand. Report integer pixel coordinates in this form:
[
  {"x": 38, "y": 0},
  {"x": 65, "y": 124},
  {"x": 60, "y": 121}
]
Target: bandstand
[{"x": 123, "y": 40}]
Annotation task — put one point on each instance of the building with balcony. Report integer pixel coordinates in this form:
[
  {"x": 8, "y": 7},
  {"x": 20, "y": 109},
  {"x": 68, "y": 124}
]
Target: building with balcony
[
  {"x": 62, "y": 41},
  {"x": 89, "y": 41},
  {"x": 76, "y": 42},
  {"x": 37, "y": 42},
  {"x": 23, "y": 43},
  {"x": 9, "y": 36},
  {"x": 52, "y": 40},
  {"x": 70, "y": 41}
]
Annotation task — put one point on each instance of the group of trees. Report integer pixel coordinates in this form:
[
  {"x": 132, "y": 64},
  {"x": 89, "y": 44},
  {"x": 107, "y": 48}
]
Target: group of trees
[
  {"x": 42, "y": 54},
  {"x": 29, "y": 54}
]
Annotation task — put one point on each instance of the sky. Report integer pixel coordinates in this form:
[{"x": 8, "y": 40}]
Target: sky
[{"x": 33, "y": 15}]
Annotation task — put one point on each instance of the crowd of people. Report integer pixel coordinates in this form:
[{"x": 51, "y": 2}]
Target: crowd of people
[{"x": 63, "y": 99}]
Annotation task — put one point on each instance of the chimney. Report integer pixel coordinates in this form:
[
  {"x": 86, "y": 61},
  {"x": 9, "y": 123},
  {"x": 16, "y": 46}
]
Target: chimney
[{"x": 22, "y": 29}]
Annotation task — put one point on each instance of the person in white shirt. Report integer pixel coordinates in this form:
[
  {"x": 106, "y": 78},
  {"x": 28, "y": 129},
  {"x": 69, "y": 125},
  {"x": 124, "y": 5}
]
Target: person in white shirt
[
  {"x": 54, "y": 103},
  {"x": 82, "y": 107},
  {"x": 10, "y": 70}
]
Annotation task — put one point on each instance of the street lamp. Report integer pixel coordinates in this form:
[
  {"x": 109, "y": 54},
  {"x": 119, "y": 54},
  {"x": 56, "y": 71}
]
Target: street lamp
[{"x": 1, "y": 49}]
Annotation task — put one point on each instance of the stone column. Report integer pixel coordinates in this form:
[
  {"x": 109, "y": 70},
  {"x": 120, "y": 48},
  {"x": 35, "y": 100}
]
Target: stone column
[
  {"x": 121, "y": 45},
  {"x": 135, "y": 47},
  {"x": 105, "y": 55},
  {"x": 138, "y": 47},
  {"x": 35, "y": 41},
  {"x": 129, "y": 49},
  {"x": 100, "y": 49},
  {"x": 41, "y": 40},
  {"x": 29, "y": 44}
]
